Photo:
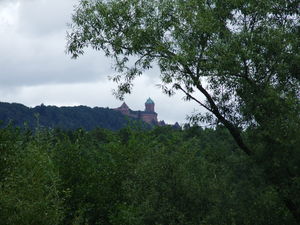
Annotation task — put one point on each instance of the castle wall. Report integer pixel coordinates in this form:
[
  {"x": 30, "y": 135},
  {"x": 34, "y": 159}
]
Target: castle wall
[
  {"x": 123, "y": 111},
  {"x": 149, "y": 118},
  {"x": 127, "y": 112}
]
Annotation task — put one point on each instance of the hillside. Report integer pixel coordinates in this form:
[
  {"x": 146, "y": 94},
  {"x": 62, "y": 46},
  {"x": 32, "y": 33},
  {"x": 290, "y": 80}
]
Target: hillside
[{"x": 62, "y": 117}]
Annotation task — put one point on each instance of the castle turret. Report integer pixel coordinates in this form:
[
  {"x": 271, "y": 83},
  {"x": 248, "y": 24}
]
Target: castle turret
[
  {"x": 149, "y": 115},
  {"x": 149, "y": 105}
]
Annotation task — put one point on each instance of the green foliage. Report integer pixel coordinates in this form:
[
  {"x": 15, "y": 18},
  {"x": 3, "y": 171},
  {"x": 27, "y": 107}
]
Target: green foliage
[
  {"x": 29, "y": 181},
  {"x": 133, "y": 176}
]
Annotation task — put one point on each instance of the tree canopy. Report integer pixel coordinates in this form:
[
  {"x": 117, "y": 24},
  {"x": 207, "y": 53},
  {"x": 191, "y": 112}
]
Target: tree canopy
[
  {"x": 242, "y": 56},
  {"x": 132, "y": 177}
]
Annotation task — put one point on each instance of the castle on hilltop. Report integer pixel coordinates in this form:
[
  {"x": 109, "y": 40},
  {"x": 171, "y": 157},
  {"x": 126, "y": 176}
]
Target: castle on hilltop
[{"x": 148, "y": 115}]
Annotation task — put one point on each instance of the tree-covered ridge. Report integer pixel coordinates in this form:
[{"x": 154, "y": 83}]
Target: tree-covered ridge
[
  {"x": 133, "y": 177},
  {"x": 62, "y": 117}
]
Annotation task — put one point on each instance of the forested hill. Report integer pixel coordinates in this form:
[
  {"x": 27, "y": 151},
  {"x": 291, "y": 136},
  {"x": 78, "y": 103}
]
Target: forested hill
[{"x": 62, "y": 117}]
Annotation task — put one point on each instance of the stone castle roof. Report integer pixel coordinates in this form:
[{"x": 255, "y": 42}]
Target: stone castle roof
[
  {"x": 149, "y": 101},
  {"x": 124, "y": 106}
]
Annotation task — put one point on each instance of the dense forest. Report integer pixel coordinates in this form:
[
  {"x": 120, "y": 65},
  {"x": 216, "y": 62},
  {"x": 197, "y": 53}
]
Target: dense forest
[
  {"x": 238, "y": 60},
  {"x": 62, "y": 117},
  {"x": 133, "y": 176}
]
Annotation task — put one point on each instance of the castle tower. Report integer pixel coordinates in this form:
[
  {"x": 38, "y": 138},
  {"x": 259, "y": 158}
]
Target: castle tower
[
  {"x": 149, "y": 105},
  {"x": 149, "y": 115}
]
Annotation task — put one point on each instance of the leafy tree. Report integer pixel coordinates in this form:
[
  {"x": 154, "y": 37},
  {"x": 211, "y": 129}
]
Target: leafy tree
[
  {"x": 133, "y": 176},
  {"x": 174, "y": 179},
  {"x": 29, "y": 181},
  {"x": 242, "y": 56}
]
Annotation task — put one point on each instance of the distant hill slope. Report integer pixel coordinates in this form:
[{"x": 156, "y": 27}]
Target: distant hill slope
[{"x": 62, "y": 117}]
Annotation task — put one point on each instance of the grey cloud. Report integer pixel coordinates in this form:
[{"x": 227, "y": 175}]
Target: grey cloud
[
  {"x": 34, "y": 67},
  {"x": 34, "y": 50},
  {"x": 45, "y": 70},
  {"x": 34, "y": 60},
  {"x": 8, "y": 1},
  {"x": 45, "y": 17}
]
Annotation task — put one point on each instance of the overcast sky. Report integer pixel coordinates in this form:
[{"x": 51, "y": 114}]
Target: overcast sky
[{"x": 34, "y": 68}]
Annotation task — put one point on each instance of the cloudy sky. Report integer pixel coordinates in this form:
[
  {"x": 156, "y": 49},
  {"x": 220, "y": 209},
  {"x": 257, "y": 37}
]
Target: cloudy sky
[{"x": 34, "y": 68}]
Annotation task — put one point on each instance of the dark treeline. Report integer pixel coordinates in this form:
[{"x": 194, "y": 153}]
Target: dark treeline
[
  {"x": 133, "y": 177},
  {"x": 61, "y": 117}
]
